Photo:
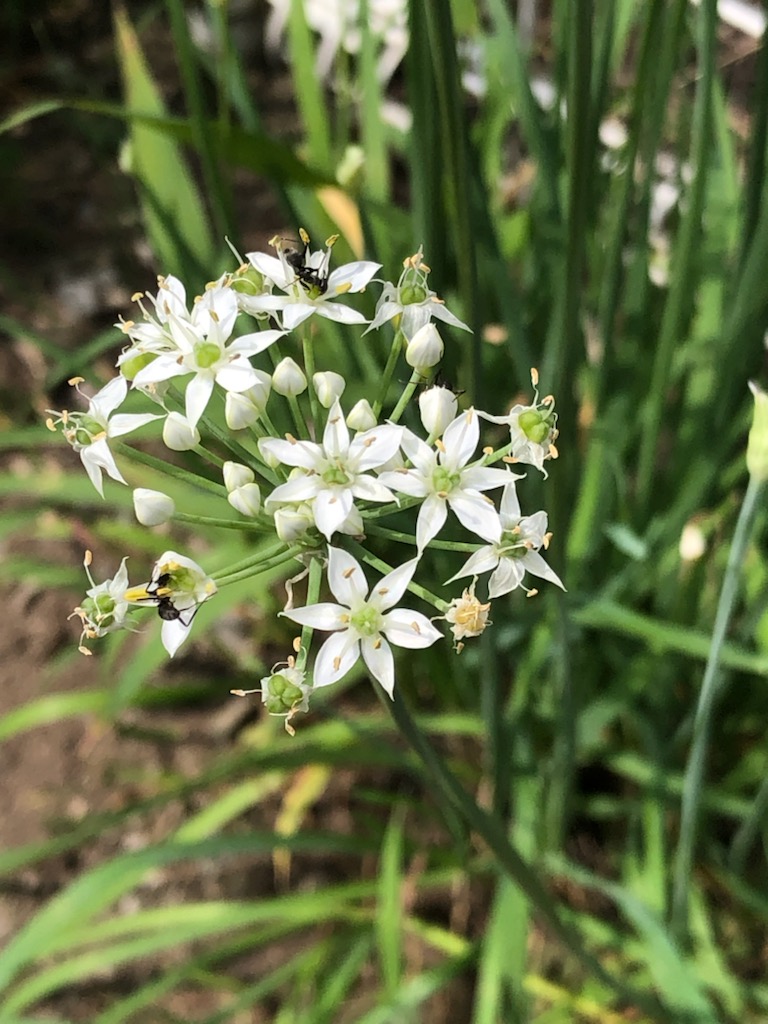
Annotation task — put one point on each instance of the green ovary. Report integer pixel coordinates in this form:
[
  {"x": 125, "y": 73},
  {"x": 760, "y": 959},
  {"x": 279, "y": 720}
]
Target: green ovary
[
  {"x": 99, "y": 610},
  {"x": 412, "y": 293},
  {"x": 444, "y": 480},
  {"x": 282, "y": 695},
  {"x": 206, "y": 354},
  {"x": 336, "y": 476},
  {"x": 87, "y": 429},
  {"x": 534, "y": 425},
  {"x": 367, "y": 621}
]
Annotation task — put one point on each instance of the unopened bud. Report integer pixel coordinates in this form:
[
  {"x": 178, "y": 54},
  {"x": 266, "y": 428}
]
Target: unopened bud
[
  {"x": 236, "y": 475},
  {"x": 438, "y": 407},
  {"x": 329, "y": 386},
  {"x": 246, "y": 499},
  {"x": 244, "y": 408},
  {"x": 152, "y": 508},
  {"x": 288, "y": 379},
  {"x": 361, "y": 416},
  {"x": 292, "y": 522},
  {"x": 425, "y": 349},
  {"x": 178, "y": 435}
]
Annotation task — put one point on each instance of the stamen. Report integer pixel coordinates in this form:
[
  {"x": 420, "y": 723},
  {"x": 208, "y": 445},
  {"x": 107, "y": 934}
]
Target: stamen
[
  {"x": 347, "y": 573},
  {"x": 439, "y": 445},
  {"x": 336, "y": 664},
  {"x": 534, "y": 376},
  {"x": 296, "y": 645},
  {"x": 74, "y": 381}
]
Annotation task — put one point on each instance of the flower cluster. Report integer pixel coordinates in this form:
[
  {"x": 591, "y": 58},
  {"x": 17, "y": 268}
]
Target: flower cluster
[{"x": 322, "y": 488}]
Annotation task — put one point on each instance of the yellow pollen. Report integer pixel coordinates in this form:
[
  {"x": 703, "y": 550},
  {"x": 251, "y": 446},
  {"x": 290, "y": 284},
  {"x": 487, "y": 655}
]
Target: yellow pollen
[
  {"x": 377, "y": 643},
  {"x": 137, "y": 296},
  {"x": 509, "y": 459},
  {"x": 100, "y": 436},
  {"x": 383, "y": 591},
  {"x": 74, "y": 381},
  {"x": 531, "y": 593},
  {"x": 330, "y": 242},
  {"x": 84, "y": 650},
  {"x": 345, "y": 618},
  {"x": 416, "y": 628},
  {"x": 296, "y": 646},
  {"x": 442, "y": 494},
  {"x": 88, "y": 558},
  {"x": 488, "y": 450},
  {"x": 291, "y": 439},
  {"x": 460, "y": 647},
  {"x": 547, "y": 539},
  {"x": 214, "y": 316},
  {"x": 368, "y": 442},
  {"x": 549, "y": 400},
  {"x": 342, "y": 289},
  {"x": 304, "y": 236},
  {"x": 275, "y": 240},
  {"x": 553, "y": 452},
  {"x": 50, "y": 424}
]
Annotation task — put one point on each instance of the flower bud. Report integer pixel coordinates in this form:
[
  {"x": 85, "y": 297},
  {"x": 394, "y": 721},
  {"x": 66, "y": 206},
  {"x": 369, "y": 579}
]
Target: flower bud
[
  {"x": 236, "y": 475},
  {"x": 361, "y": 416},
  {"x": 152, "y": 508},
  {"x": 244, "y": 408},
  {"x": 438, "y": 407},
  {"x": 288, "y": 379},
  {"x": 268, "y": 458},
  {"x": 292, "y": 522},
  {"x": 425, "y": 349},
  {"x": 757, "y": 445},
  {"x": 246, "y": 499},
  {"x": 329, "y": 386},
  {"x": 178, "y": 435}
]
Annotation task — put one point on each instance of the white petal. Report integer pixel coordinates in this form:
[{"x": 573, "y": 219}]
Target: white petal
[
  {"x": 108, "y": 399},
  {"x": 477, "y": 515},
  {"x": 295, "y": 313},
  {"x": 376, "y": 446},
  {"x": 305, "y": 454},
  {"x": 377, "y": 655},
  {"x": 94, "y": 472},
  {"x": 173, "y": 634},
  {"x": 270, "y": 267},
  {"x": 391, "y": 587},
  {"x": 339, "y": 313},
  {"x": 508, "y": 576},
  {"x": 509, "y": 509},
  {"x": 441, "y": 312},
  {"x": 407, "y": 481},
  {"x": 368, "y": 489},
  {"x": 300, "y": 488},
  {"x": 432, "y": 516},
  {"x": 124, "y": 422},
  {"x": 330, "y": 508},
  {"x": 252, "y": 344},
  {"x": 460, "y": 439},
  {"x": 484, "y": 478},
  {"x": 483, "y": 560},
  {"x": 536, "y": 565},
  {"x": 162, "y": 368},
  {"x": 199, "y": 391},
  {"x": 421, "y": 455},
  {"x": 99, "y": 455},
  {"x": 406, "y": 628},
  {"x": 346, "y": 578},
  {"x": 335, "y": 658},
  {"x": 336, "y": 433},
  {"x": 325, "y": 616},
  {"x": 356, "y": 274},
  {"x": 238, "y": 375},
  {"x": 384, "y": 312}
]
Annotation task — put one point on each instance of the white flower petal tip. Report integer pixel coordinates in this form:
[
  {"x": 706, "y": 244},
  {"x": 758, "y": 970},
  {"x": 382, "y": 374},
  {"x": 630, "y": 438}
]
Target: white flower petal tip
[{"x": 152, "y": 508}]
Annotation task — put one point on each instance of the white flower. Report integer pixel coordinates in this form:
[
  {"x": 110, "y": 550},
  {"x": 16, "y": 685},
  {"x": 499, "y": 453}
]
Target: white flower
[
  {"x": 438, "y": 406},
  {"x": 425, "y": 349},
  {"x": 152, "y": 508},
  {"x": 441, "y": 476},
  {"x": 202, "y": 349},
  {"x": 308, "y": 284},
  {"x": 412, "y": 301},
  {"x": 284, "y": 692},
  {"x": 328, "y": 387},
  {"x": 515, "y": 553},
  {"x": 105, "y": 607},
  {"x": 532, "y": 429},
  {"x": 361, "y": 416},
  {"x": 177, "y": 588},
  {"x": 288, "y": 378},
  {"x": 334, "y": 473},
  {"x": 178, "y": 435},
  {"x": 246, "y": 499},
  {"x": 89, "y": 432},
  {"x": 293, "y": 521},
  {"x": 364, "y": 625}
]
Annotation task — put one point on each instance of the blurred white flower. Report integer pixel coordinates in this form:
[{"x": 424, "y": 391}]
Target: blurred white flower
[
  {"x": 104, "y": 608},
  {"x": 152, "y": 508}
]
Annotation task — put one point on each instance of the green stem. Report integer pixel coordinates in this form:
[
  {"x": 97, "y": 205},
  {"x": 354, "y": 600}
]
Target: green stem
[
  {"x": 313, "y": 593},
  {"x": 492, "y": 831},
  {"x": 224, "y": 524},
  {"x": 406, "y": 396},
  {"x": 169, "y": 469},
  {"x": 710, "y": 687},
  {"x": 309, "y": 370},
  {"x": 207, "y": 456},
  {"x": 394, "y": 354},
  {"x": 262, "y": 566},
  {"x": 748, "y": 830},
  {"x": 251, "y": 560},
  {"x": 408, "y": 538}
]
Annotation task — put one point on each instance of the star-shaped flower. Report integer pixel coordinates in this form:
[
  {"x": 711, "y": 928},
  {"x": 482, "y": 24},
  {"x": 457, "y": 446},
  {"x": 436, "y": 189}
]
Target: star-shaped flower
[
  {"x": 89, "y": 432},
  {"x": 202, "y": 349},
  {"x": 412, "y": 301},
  {"x": 362, "y": 623},
  {"x": 104, "y": 608},
  {"x": 515, "y": 553},
  {"x": 308, "y": 285},
  {"x": 334, "y": 473},
  {"x": 442, "y": 478}
]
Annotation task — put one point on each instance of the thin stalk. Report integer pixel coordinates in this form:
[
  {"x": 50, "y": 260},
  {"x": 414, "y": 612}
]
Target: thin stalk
[
  {"x": 313, "y": 593},
  {"x": 406, "y": 396},
  {"x": 710, "y": 686},
  {"x": 169, "y": 469},
  {"x": 251, "y": 560},
  {"x": 394, "y": 354},
  {"x": 309, "y": 370},
  {"x": 408, "y": 538},
  {"x": 222, "y": 524},
  {"x": 263, "y": 566},
  {"x": 673, "y": 319},
  {"x": 748, "y": 830}
]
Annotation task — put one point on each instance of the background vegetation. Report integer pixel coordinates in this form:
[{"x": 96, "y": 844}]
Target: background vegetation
[{"x": 509, "y": 844}]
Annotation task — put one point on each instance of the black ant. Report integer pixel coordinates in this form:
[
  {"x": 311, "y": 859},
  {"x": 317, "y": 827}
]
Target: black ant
[{"x": 166, "y": 609}]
